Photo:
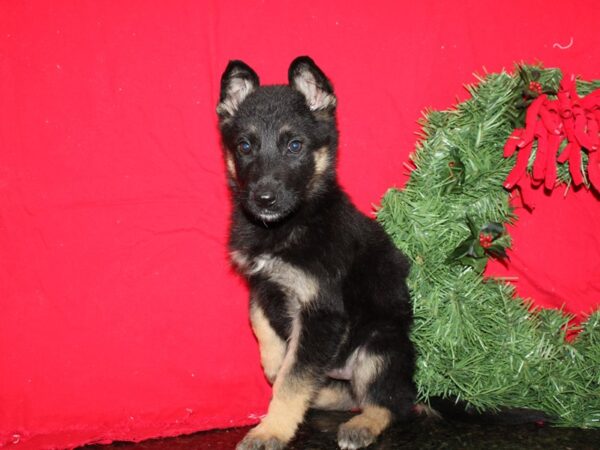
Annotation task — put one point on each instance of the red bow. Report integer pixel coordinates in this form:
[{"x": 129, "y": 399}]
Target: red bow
[{"x": 551, "y": 122}]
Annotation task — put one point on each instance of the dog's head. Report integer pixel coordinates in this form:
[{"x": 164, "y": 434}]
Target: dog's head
[{"x": 279, "y": 141}]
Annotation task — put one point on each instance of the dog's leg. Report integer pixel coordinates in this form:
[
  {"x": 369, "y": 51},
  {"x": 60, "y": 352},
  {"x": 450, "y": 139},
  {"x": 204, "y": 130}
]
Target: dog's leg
[
  {"x": 314, "y": 342},
  {"x": 272, "y": 347},
  {"x": 336, "y": 395},
  {"x": 383, "y": 385}
]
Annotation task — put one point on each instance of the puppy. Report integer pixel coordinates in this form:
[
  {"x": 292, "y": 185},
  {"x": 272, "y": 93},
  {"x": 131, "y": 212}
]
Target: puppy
[{"x": 329, "y": 304}]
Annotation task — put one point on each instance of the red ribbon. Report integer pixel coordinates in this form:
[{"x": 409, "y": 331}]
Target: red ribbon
[{"x": 550, "y": 123}]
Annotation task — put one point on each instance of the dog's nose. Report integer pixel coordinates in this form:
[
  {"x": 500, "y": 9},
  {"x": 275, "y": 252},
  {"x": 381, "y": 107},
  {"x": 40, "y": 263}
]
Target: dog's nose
[{"x": 265, "y": 198}]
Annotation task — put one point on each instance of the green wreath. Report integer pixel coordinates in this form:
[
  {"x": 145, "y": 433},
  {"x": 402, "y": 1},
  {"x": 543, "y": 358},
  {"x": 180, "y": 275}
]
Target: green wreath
[{"x": 477, "y": 342}]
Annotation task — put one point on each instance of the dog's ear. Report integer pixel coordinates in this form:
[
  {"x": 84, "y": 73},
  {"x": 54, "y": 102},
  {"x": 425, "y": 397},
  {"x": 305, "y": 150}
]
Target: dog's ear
[
  {"x": 237, "y": 82},
  {"x": 306, "y": 77}
]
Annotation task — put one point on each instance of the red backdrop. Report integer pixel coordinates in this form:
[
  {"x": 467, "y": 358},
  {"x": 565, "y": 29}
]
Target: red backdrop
[{"x": 120, "y": 318}]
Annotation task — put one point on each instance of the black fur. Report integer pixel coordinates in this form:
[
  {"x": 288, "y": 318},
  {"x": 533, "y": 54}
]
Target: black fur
[{"x": 290, "y": 212}]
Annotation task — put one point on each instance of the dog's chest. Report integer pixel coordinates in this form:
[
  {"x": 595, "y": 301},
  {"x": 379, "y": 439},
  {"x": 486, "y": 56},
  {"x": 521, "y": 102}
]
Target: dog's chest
[{"x": 299, "y": 285}]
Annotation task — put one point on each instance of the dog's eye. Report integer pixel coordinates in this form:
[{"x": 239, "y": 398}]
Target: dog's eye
[
  {"x": 245, "y": 147},
  {"x": 295, "y": 146}
]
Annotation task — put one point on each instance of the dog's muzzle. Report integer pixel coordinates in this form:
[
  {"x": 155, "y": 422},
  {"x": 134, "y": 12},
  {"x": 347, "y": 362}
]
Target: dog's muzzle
[
  {"x": 269, "y": 201},
  {"x": 265, "y": 198}
]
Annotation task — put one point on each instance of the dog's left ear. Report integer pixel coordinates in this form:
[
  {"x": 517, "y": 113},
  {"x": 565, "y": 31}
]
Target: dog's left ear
[
  {"x": 306, "y": 77},
  {"x": 237, "y": 82}
]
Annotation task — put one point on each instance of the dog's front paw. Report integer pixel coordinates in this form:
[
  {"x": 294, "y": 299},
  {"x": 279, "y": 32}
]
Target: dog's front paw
[
  {"x": 256, "y": 441},
  {"x": 352, "y": 437}
]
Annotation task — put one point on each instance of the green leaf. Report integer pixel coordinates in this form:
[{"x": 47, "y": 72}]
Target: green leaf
[
  {"x": 497, "y": 251},
  {"x": 494, "y": 228},
  {"x": 473, "y": 228},
  {"x": 478, "y": 251},
  {"x": 478, "y": 264},
  {"x": 465, "y": 248}
]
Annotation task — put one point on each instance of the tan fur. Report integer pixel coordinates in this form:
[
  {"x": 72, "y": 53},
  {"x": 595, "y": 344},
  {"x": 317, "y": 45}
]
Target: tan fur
[
  {"x": 272, "y": 347},
  {"x": 367, "y": 366},
  {"x": 291, "y": 398},
  {"x": 286, "y": 412},
  {"x": 322, "y": 162},
  {"x": 239, "y": 260},
  {"x": 294, "y": 281},
  {"x": 237, "y": 91},
  {"x": 285, "y": 128},
  {"x": 334, "y": 398},
  {"x": 289, "y": 358},
  {"x": 373, "y": 418},
  {"x": 317, "y": 99},
  {"x": 230, "y": 165}
]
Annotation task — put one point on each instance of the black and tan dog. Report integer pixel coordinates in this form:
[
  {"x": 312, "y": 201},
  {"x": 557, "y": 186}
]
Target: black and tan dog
[{"x": 329, "y": 303}]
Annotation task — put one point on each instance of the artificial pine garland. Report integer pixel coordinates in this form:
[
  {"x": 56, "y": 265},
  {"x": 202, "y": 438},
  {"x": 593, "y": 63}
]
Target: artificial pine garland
[{"x": 477, "y": 342}]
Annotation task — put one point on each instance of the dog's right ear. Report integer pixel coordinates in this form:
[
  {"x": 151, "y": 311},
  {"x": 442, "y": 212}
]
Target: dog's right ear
[{"x": 237, "y": 82}]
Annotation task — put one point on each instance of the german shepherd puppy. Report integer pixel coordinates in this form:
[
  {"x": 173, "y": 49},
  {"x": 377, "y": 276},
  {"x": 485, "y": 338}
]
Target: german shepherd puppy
[{"x": 329, "y": 304}]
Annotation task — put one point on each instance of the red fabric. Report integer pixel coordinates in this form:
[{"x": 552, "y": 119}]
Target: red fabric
[
  {"x": 120, "y": 316},
  {"x": 555, "y": 254}
]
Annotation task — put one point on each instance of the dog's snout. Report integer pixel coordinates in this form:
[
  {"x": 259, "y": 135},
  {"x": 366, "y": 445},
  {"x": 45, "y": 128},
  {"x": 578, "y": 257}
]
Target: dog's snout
[{"x": 265, "y": 198}]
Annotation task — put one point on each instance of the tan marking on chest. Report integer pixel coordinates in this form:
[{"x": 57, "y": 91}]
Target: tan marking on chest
[{"x": 294, "y": 281}]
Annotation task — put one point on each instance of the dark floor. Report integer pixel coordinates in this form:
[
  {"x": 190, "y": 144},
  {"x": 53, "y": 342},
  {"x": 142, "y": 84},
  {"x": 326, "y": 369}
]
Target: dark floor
[{"x": 320, "y": 430}]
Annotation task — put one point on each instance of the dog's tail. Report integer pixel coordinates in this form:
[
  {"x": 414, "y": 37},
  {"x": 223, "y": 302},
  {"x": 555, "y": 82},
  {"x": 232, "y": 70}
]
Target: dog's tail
[{"x": 461, "y": 411}]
